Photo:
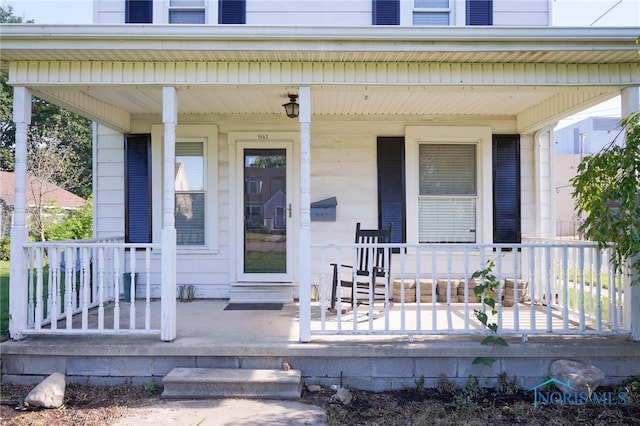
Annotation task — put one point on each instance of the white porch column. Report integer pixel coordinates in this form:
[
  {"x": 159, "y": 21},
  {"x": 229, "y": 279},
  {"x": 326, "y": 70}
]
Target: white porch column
[
  {"x": 168, "y": 269},
  {"x": 544, "y": 185},
  {"x": 19, "y": 235},
  {"x": 630, "y": 103},
  {"x": 304, "y": 256}
]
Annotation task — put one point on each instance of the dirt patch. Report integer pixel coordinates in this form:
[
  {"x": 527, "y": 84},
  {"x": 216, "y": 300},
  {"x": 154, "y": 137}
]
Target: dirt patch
[{"x": 103, "y": 405}]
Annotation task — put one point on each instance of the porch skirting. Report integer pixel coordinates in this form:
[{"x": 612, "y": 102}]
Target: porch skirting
[{"x": 375, "y": 365}]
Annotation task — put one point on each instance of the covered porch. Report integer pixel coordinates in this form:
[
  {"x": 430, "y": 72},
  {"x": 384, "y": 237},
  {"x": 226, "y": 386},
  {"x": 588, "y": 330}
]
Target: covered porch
[{"x": 227, "y": 86}]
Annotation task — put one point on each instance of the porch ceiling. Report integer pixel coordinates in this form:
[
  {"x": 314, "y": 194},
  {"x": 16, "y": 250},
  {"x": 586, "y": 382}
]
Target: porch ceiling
[{"x": 326, "y": 100}]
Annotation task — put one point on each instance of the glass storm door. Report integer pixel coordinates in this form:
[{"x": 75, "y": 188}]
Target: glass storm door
[{"x": 266, "y": 207}]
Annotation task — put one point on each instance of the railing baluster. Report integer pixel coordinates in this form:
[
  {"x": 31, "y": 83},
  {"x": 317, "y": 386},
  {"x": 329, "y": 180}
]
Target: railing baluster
[
  {"x": 117, "y": 256},
  {"x": 516, "y": 289},
  {"x": 31, "y": 303},
  {"x": 598, "y": 257},
  {"x": 100, "y": 255},
  {"x": 533, "y": 285},
  {"x": 68, "y": 286},
  {"x": 85, "y": 287},
  {"x": 466, "y": 288},
  {"x": 499, "y": 277},
  {"x": 550, "y": 295},
  {"x": 580, "y": 267},
  {"x": 434, "y": 283},
  {"x": 147, "y": 310},
  {"x": 39, "y": 316},
  {"x": 54, "y": 269},
  {"x": 132, "y": 304},
  {"x": 565, "y": 288}
]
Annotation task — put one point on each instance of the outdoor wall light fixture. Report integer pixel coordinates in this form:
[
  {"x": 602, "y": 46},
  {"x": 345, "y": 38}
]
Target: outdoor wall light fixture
[{"x": 292, "y": 108}]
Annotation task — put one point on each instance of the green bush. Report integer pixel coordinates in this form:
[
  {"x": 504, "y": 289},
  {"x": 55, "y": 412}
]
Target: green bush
[
  {"x": 77, "y": 226},
  {"x": 5, "y": 248}
]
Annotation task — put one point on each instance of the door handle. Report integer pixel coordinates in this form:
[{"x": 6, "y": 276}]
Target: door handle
[{"x": 289, "y": 209}]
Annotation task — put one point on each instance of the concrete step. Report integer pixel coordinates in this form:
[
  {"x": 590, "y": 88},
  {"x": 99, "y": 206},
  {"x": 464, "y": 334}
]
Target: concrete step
[
  {"x": 257, "y": 293},
  {"x": 204, "y": 383}
]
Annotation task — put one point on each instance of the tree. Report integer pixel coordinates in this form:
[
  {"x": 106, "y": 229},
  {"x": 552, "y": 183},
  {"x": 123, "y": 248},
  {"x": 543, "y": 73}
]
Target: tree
[
  {"x": 71, "y": 132},
  {"x": 48, "y": 161},
  {"x": 607, "y": 193}
]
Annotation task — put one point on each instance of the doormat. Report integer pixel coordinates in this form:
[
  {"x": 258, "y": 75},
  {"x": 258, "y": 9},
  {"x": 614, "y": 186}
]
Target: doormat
[{"x": 254, "y": 307}]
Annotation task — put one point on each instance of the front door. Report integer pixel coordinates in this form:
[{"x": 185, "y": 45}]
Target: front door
[{"x": 265, "y": 210}]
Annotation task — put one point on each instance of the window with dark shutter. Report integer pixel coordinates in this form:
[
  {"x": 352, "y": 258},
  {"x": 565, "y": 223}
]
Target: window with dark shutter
[
  {"x": 391, "y": 188},
  {"x": 506, "y": 189},
  {"x": 137, "y": 189},
  {"x": 232, "y": 12},
  {"x": 138, "y": 11},
  {"x": 479, "y": 12},
  {"x": 386, "y": 12}
]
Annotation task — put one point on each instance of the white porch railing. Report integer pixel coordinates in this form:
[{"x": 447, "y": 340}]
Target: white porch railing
[
  {"x": 564, "y": 288},
  {"x": 77, "y": 286}
]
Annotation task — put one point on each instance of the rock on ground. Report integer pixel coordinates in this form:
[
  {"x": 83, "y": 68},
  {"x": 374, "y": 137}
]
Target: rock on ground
[
  {"x": 49, "y": 393},
  {"x": 583, "y": 377}
]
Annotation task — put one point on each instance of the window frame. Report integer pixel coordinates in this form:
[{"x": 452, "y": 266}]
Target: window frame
[
  {"x": 482, "y": 137},
  {"x": 448, "y": 11},
  {"x": 202, "y": 8},
  {"x": 187, "y": 132}
]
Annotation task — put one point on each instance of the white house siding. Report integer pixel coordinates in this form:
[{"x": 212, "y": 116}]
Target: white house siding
[
  {"x": 309, "y": 12},
  {"x": 109, "y": 183},
  {"x": 335, "y": 12},
  {"x": 521, "y": 12},
  {"x": 108, "y": 11}
]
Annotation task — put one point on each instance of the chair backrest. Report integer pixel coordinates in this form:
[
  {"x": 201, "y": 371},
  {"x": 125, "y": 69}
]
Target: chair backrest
[{"x": 369, "y": 259}]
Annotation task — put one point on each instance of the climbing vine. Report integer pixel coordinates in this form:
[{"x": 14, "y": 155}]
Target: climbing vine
[{"x": 487, "y": 289}]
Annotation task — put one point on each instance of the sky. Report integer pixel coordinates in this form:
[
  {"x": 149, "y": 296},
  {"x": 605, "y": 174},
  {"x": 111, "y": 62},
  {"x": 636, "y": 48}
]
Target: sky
[{"x": 613, "y": 13}]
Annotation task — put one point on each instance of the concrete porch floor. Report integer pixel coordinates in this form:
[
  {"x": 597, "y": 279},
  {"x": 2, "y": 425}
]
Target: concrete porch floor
[{"x": 209, "y": 336}]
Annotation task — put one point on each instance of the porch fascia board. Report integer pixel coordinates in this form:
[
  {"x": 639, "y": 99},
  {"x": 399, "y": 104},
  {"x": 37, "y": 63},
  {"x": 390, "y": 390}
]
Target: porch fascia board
[
  {"x": 84, "y": 73},
  {"x": 338, "y": 39}
]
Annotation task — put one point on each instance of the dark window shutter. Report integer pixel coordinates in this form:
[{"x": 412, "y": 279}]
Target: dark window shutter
[
  {"x": 138, "y": 12},
  {"x": 232, "y": 12},
  {"x": 137, "y": 189},
  {"x": 479, "y": 12},
  {"x": 506, "y": 189},
  {"x": 386, "y": 12},
  {"x": 391, "y": 188}
]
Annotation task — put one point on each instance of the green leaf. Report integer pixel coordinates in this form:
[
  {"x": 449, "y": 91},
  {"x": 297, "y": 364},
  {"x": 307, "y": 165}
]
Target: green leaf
[
  {"x": 486, "y": 361},
  {"x": 489, "y": 340},
  {"x": 500, "y": 341},
  {"x": 493, "y": 327}
]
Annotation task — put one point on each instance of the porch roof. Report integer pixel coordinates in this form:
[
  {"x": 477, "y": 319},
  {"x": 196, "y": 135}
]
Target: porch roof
[{"x": 535, "y": 75}]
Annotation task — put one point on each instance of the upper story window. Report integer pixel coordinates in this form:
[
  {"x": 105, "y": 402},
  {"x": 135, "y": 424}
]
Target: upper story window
[
  {"x": 187, "y": 12},
  {"x": 431, "y": 12}
]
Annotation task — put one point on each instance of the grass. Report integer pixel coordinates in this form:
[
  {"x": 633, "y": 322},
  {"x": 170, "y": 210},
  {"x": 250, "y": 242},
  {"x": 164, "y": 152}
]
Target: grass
[
  {"x": 4, "y": 294},
  {"x": 574, "y": 275},
  {"x": 590, "y": 306}
]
